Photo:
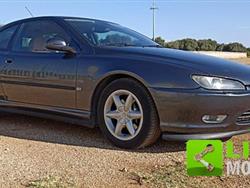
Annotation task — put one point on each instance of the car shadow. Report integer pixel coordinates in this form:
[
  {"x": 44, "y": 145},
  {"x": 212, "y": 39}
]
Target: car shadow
[{"x": 43, "y": 130}]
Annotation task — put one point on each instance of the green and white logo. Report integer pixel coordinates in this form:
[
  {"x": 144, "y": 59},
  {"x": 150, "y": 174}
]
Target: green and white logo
[{"x": 204, "y": 158}]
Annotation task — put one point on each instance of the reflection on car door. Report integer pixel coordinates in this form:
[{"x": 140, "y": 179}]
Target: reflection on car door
[
  {"x": 36, "y": 75},
  {"x": 6, "y": 35}
]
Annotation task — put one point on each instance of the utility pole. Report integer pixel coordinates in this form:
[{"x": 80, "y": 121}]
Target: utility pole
[{"x": 153, "y": 8}]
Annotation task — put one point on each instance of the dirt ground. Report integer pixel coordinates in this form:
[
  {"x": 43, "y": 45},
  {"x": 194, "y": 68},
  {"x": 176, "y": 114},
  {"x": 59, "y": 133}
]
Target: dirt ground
[{"x": 44, "y": 153}]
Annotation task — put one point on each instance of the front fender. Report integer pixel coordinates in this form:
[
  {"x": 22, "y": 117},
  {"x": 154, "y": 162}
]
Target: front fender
[{"x": 93, "y": 69}]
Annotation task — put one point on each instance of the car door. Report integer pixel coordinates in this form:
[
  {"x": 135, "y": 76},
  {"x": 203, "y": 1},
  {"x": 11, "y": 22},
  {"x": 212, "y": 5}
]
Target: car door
[
  {"x": 6, "y": 35},
  {"x": 36, "y": 75}
]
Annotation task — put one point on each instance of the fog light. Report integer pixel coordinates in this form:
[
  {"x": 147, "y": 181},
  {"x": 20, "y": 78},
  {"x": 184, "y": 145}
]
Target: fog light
[{"x": 213, "y": 118}]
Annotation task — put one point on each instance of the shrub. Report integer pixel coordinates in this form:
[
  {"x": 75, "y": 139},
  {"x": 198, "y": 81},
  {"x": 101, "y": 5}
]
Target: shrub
[
  {"x": 235, "y": 47},
  {"x": 184, "y": 44},
  {"x": 174, "y": 44},
  {"x": 203, "y": 45},
  {"x": 248, "y": 52},
  {"x": 190, "y": 45},
  {"x": 207, "y": 45},
  {"x": 160, "y": 41},
  {"x": 220, "y": 47}
]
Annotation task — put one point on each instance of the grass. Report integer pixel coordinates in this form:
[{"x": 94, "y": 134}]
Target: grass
[
  {"x": 166, "y": 176},
  {"x": 175, "y": 175},
  {"x": 50, "y": 182}
]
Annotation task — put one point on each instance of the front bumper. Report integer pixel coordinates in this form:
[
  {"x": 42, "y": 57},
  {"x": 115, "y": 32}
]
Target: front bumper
[
  {"x": 206, "y": 136},
  {"x": 181, "y": 111}
]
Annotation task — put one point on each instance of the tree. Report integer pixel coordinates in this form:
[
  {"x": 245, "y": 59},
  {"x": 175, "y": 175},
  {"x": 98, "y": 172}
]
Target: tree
[
  {"x": 235, "y": 47},
  {"x": 248, "y": 52},
  {"x": 116, "y": 39},
  {"x": 207, "y": 45},
  {"x": 190, "y": 45},
  {"x": 185, "y": 44},
  {"x": 220, "y": 47},
  {"x": 203, "y": 45},
  {"x": 160, "y": 41},
  {"x": 174, "y": 45}
]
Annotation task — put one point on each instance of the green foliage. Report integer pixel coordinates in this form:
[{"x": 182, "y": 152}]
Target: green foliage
[
  {"x": 189, "y": 45},
  {"x": 220, "y": 47},
  {"x": 248, "y": 52},
  {"x": 116, "y": 39},
  {"x": 51, "y": 182},
  {"x": 185, "y": 44},
  {"x": 207, "y": 45},
  {"x": 235, "y": 47},
  {"x": 160, "y": 41},
  {"x": 174, "y": 45},
  {"x": 203, "y": 45}
]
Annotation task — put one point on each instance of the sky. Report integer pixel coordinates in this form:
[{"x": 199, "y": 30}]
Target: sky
[{"x": 224, "y": 21}]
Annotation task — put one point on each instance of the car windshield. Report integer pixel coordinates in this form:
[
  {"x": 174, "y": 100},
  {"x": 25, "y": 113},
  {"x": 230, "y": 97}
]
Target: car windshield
[{"x": 100, "y": 33}]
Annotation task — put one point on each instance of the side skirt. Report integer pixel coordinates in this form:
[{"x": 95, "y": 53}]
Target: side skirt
[{"x": 73, "y": 116}]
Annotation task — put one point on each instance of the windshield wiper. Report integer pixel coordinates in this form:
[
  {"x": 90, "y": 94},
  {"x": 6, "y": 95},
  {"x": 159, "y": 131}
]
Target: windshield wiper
[
  {"x": 119, "y": 45},
  {"x": 153, "y": 46},
  {"x": 130, "y": 45}
]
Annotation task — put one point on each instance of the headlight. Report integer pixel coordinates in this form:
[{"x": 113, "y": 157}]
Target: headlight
[{"x": 216, "y": 83}]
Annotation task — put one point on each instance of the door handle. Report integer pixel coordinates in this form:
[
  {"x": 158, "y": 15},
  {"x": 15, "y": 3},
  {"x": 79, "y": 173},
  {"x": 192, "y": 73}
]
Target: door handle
[{"x": 8, "y": 61}]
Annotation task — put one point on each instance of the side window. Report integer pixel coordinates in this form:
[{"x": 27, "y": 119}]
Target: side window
[
  {"x": 34, "y": 36},
  {"x": 6, "y": 35},
  {"x": 114, "y": 37}
]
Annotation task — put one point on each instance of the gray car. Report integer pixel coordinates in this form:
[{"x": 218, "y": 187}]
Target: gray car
[{"x": 97, "y": 73}]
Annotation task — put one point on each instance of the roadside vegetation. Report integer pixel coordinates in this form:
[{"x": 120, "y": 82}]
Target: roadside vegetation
[
  {"x": 175, "y": 176},
  {"x": 202, "y": 45},
  {"x": 50, "y": 182}
]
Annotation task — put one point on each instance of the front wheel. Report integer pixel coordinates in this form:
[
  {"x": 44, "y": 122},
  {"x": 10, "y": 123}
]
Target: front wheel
[{"x": 127, "y": 114}]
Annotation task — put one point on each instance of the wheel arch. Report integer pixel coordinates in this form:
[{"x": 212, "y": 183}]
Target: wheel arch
[{"x": 105, "y": 80}]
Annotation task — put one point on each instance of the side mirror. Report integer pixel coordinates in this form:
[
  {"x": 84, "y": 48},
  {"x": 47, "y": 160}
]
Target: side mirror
[{"x": 60, "y": 45}]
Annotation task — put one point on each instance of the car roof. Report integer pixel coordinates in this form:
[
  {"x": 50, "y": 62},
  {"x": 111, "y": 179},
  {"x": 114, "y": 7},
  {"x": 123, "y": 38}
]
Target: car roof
[{"x": 53, "y": 18}]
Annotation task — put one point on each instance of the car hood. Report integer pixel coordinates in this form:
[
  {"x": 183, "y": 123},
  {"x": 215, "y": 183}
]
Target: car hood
[{"x": 202, "y": 64}]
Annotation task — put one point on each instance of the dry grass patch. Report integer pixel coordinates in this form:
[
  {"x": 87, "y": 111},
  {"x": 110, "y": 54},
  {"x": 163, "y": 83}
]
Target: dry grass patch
[
  {"x": 176, "y": 176},
  {"x": 50, "y": 182}
]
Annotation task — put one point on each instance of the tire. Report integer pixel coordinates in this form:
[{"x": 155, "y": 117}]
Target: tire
[
  {"x": 146, "y": 129},
  {"x": 3, "y": 113}
]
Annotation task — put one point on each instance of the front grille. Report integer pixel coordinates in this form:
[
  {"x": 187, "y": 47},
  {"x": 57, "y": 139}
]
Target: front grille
[{"x": 244, "y": 118}]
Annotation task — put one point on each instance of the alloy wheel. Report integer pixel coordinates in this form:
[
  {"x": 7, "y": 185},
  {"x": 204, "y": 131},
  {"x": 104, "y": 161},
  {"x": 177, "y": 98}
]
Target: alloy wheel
[{"x": 123, "y": 115}]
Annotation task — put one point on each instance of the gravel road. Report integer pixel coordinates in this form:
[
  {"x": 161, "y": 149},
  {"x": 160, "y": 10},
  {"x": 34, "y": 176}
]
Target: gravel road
[
  {"x": 32, "y": 149},
  {"x": 36, "y": 151}
]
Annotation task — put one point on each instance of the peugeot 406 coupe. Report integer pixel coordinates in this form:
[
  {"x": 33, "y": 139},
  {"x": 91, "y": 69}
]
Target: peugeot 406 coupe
[{"x": 98, "y": 73}]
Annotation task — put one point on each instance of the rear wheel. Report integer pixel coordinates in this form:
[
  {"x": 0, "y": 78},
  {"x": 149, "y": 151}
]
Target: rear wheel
[{"x": 127, "y": 114}]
